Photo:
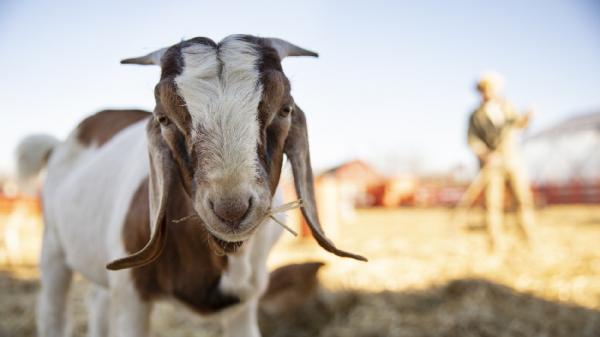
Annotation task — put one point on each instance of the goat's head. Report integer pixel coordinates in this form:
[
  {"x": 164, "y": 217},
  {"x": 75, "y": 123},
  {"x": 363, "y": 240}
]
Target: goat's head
[{"x": 223, "y": 120}]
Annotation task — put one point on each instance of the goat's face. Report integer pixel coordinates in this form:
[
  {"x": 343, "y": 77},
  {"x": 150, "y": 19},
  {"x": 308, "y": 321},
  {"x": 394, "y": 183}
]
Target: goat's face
[
  {"x": 225, "y": 111},
  {"x": 223, "y": 120}
]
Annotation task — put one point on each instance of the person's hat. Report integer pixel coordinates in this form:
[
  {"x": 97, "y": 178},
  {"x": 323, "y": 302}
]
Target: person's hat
[{"x": 490, "y": 80}]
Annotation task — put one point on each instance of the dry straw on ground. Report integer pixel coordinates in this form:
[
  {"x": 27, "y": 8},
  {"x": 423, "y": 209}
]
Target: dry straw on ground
[{"x": 423, "y": 279}]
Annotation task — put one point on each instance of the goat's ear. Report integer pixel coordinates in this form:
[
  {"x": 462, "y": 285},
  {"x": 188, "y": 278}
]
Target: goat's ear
[
  {"x": 296, "y": 149},
  {"x": 162, "y": 176}
]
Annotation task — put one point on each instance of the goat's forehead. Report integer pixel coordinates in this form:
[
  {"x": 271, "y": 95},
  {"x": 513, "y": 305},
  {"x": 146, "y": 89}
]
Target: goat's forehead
[
  {"x": 221, "y": 89},
  {"x": 210, "y": 61},
  {"x": 216, "y": 78}
]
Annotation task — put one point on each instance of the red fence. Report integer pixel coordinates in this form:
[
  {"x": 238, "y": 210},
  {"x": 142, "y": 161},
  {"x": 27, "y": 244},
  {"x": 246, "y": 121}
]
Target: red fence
[
  {"x": 572, "y": 193},
  {"x": 7, "y": 204}
]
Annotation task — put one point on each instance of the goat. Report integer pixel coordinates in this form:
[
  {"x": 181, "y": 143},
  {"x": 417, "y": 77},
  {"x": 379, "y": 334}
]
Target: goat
[{"x": 182, "y": 192}]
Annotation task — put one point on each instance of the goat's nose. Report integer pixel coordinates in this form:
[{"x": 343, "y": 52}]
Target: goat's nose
[{"x": 231, "y": 210}]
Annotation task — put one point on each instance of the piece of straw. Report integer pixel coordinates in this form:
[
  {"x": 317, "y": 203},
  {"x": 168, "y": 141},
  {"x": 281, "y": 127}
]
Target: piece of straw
[
  {"x": 184, "y": 218},
  {"x": 270, "y": 214},
  {"x": 284, "y": 208}
]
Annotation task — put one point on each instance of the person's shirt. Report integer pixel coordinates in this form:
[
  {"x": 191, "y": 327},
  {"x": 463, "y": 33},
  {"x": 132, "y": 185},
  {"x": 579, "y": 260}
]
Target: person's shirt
[
  {"x": 489, "y": 125},
  {"x": 495, "y": 113}
]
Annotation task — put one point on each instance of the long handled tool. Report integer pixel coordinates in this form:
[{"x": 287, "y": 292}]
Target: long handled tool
[{"x": 461, "y": 209}]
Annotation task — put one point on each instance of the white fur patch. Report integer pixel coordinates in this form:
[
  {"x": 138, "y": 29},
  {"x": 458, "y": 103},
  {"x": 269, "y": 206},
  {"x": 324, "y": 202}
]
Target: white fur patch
[
  {"x": 246, "y": 275},
  {"x": 222, "y": 90},
  {"x": 87, "y": 195}
]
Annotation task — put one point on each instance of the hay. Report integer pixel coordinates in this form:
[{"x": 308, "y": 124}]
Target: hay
[
  {"x": 270, "y": 215},
  {"x": 282, "y": 209},
  {"x": 466, "y": 307},
  {"x": 423, "y": 279}
]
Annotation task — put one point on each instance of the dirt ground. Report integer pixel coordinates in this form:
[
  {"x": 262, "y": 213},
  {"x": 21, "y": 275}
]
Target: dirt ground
[{"x": 424, "y": 278}]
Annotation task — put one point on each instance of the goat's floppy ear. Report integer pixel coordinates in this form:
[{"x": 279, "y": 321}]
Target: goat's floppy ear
[
  {"x": 162, "y": 175},
  {"x": 296, "y": 149}
]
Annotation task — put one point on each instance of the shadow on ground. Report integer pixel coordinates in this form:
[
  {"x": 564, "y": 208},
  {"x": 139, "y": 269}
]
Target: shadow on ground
[{"x": 463, "y": 307}]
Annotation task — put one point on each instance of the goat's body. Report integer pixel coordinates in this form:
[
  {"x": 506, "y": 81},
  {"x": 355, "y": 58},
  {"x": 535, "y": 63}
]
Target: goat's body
[
  {"x": 87, "y": 193},
  {"x": 211, "y": 157},
  {"x": 87, "y": 196}
]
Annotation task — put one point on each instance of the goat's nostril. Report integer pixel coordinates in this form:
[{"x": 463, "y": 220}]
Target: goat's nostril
[{"x": 231, "y": 210}]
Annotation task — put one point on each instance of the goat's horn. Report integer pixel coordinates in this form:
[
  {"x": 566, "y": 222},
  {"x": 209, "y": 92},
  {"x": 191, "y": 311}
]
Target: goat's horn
[
  {"x": 151, "y": 59},
  {"x": 285, "y": 49}
]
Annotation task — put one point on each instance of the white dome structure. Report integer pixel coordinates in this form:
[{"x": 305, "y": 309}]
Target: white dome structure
[{"x": 567, "y": 152}]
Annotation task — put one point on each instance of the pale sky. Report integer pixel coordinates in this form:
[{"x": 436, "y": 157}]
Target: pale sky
[{"x": 394, "y": 83}]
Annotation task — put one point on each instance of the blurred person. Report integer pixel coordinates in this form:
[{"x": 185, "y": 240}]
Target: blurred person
[{"x": 492, "y": 137}]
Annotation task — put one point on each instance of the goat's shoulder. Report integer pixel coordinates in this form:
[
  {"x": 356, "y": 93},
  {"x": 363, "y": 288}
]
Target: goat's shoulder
[
  {"x": 187, "y": 269},
  {"x": 100, "y": 127}
]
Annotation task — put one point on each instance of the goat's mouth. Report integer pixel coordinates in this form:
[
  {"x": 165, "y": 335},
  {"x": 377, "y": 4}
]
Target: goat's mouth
[{"x": 224, "y": 247}]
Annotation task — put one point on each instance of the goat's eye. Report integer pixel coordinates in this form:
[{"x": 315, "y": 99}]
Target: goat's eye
[
  {"x": 286, "y": 110},
  {"x": 163, "y": 120}
]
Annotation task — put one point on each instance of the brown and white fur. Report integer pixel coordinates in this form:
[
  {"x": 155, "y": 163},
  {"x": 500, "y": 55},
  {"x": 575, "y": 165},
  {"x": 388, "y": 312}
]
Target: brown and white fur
[{"x": 182, "y": 192}]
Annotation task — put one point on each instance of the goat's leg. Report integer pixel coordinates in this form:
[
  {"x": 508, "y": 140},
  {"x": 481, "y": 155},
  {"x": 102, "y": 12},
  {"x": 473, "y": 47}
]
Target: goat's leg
[
  {"x": 129, "y": 313},
  {"x": 242, "y": 321},
  {"x": 55, "y": 283},
  {"x": 98, "y": 306}
]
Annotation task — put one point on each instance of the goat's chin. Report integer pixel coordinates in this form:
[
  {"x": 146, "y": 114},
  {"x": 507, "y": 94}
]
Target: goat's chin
[
  {"x": 224, "y": 247},
  {"x": 226, "y": 243}
]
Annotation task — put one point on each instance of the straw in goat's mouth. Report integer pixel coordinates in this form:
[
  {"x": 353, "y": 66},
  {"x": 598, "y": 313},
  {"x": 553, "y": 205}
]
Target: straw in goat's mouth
[
  {"x": 284, "y": 208},
  {"x": 184, "y": 218},
  {"x": 270, "y": 214}
]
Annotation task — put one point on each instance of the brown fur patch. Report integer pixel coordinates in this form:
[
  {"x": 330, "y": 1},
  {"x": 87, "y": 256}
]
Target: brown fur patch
[
  {"x": 274, "y": 129},
  {"x": 187, "y": 269},
  {"x": 302, "y": 277},
  {"x": 290, "y": 287},
  {"x": 100, "y": 127}
]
